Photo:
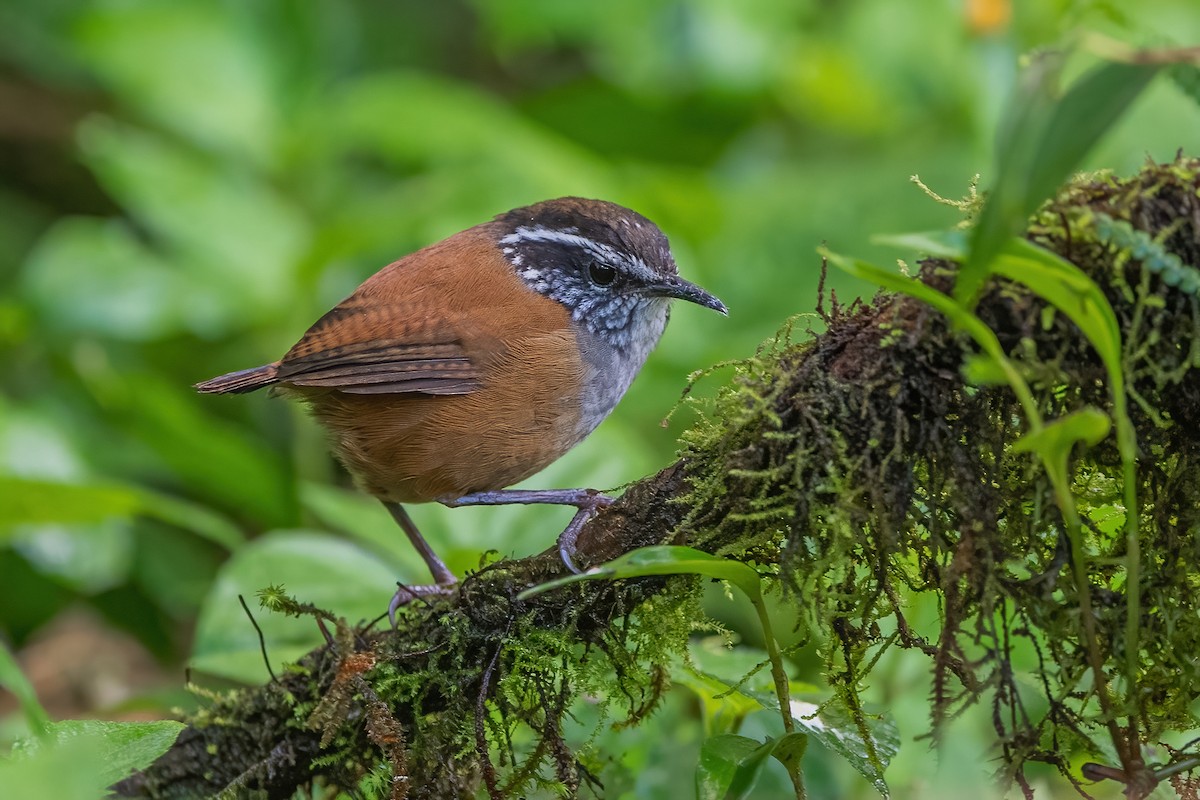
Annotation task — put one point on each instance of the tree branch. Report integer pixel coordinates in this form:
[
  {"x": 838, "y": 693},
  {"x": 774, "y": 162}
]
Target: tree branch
[{"x": 861, "y": 464}]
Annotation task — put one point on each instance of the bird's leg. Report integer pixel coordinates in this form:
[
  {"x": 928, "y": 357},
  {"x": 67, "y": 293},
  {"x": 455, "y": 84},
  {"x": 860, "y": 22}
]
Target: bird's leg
[
  {"x": 588, "y": 501},
  {"x": 443, "y": 578}
]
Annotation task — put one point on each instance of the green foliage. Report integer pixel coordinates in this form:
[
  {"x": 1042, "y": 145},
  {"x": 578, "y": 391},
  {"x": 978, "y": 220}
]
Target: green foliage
[
  {"x": 667, "y": 560},
  {"x": 189, "y": 185},
  {"x": 864, "y": 518},
  {"x": 1039, "y": 143},
  {"x": 334, "y": 574},
  {"x": 80, "y": 759},
  {"x": 12, "y": 679},
  {"x": 730, "y": 764},
  {"x": 866, "y": 742}
]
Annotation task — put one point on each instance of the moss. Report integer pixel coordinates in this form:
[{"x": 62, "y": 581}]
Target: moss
[
  {"x": 884, "y": 473},
  {"x": 858, "y": 468}
]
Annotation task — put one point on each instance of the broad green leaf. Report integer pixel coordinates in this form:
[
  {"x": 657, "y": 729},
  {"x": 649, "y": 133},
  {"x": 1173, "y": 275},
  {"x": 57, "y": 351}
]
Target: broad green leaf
[
  {"x": 30, "y": 501},
  {"x": 126, "y": 745},
  {"x": 789, "y": 751},
  {"x": 14, "y": 680},
  {"x": 721, "y": 758},
  {"x": 80, "y": 759},
  {"x": 316, "y": 568},
  {"x": 1186, "y": 78},
  {"x": 730, "y": 765}
]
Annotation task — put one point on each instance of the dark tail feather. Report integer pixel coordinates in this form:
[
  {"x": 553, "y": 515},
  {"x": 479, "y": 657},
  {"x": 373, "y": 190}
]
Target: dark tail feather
[{"x": 245, "y": 380}]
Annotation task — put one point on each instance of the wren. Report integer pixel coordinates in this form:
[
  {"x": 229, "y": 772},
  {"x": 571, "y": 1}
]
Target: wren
[{"x": 475, "y": 362}]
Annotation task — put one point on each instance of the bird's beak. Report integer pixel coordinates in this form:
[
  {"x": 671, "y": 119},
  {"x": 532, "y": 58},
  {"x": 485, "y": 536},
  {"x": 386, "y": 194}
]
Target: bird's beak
[{"x": 676, "y": 287}]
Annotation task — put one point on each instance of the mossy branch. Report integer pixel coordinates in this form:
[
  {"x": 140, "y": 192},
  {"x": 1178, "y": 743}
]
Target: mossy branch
[{"x": 860, "y": 468}]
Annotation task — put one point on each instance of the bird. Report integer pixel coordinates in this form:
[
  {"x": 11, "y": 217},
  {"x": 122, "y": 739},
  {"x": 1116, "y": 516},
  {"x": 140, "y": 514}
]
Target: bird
[{"x": 473, "y": 363}]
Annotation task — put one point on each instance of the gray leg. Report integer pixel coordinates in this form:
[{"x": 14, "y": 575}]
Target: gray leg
[
  {"x": 442, "y": 576},
  {"x": 588, "y": 501}
]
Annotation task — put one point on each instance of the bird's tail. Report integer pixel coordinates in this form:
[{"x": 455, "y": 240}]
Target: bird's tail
[{"x": 245, "y": 380}]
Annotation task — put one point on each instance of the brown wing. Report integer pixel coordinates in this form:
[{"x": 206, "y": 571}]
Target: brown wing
[{"x": 365, "y": 348}]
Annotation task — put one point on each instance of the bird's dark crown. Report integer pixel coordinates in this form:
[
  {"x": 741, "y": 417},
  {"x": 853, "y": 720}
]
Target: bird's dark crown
[
  {"x": 606, "y": 224},
  {"x": 596, "y": 258}
]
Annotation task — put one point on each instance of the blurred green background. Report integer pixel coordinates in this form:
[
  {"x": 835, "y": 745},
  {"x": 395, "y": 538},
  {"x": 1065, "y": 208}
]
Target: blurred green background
[{"x": 185, "y": 186}]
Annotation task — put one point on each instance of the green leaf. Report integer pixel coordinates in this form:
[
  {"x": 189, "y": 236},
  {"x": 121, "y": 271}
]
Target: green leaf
[
  {"x": 721, "y": 759},
  {"x": 33, "y": 501},
  {"x": 1086, "y": 112},
  {"x": 1041, "y": 142},
  {"x": 80, "y": 759},
  {"x": 30, "y": 501},
  {"x": 1069, "y": 289},
  {"x": 1004, "y": 212},
  {"x": 830, "y": 724},
  {"x": 980, "y": 369},
  {"x": 947, "y": 244},
  {"x": 730, "y": 765},
  {"x": 1054, "y": 441},
  {"x": 14, "y": 680},
  {"x": 669, "y": 560},
  {"x": 328, "y": 572},
  {"x": 126, "y": 746},
  {"x": 834, "y": 727},
  {"x": 664, "y": 560}
]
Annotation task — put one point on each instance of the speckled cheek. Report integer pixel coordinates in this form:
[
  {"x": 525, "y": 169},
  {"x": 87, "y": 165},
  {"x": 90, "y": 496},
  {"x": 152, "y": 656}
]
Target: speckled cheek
[{"x": 608, "y": 371}]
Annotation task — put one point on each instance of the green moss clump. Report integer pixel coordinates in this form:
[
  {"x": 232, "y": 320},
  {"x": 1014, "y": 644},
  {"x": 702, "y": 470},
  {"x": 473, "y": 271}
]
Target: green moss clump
[{"x": 878, "y": 472}]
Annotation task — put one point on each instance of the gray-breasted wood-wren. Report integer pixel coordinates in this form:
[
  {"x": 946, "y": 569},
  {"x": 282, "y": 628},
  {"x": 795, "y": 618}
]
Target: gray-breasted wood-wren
[{"x": 475, "y": 362}]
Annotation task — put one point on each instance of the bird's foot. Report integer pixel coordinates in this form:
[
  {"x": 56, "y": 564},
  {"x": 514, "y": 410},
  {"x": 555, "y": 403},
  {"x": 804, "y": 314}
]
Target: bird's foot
[
  {"x": 588, "y": 501},
  {"x": 406, "y": 594},
  {"x": 570, "y": 535}
]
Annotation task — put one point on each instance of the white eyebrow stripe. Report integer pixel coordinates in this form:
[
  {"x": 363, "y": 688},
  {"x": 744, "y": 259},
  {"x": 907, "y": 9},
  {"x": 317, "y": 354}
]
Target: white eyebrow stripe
[
  {"x": 602, "y": 251},
  {"x": 542, "y": 234}
]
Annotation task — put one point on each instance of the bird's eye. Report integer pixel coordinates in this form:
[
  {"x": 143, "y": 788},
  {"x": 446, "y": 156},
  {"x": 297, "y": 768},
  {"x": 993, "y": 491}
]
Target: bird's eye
[{"x": 601, "y": 274}]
